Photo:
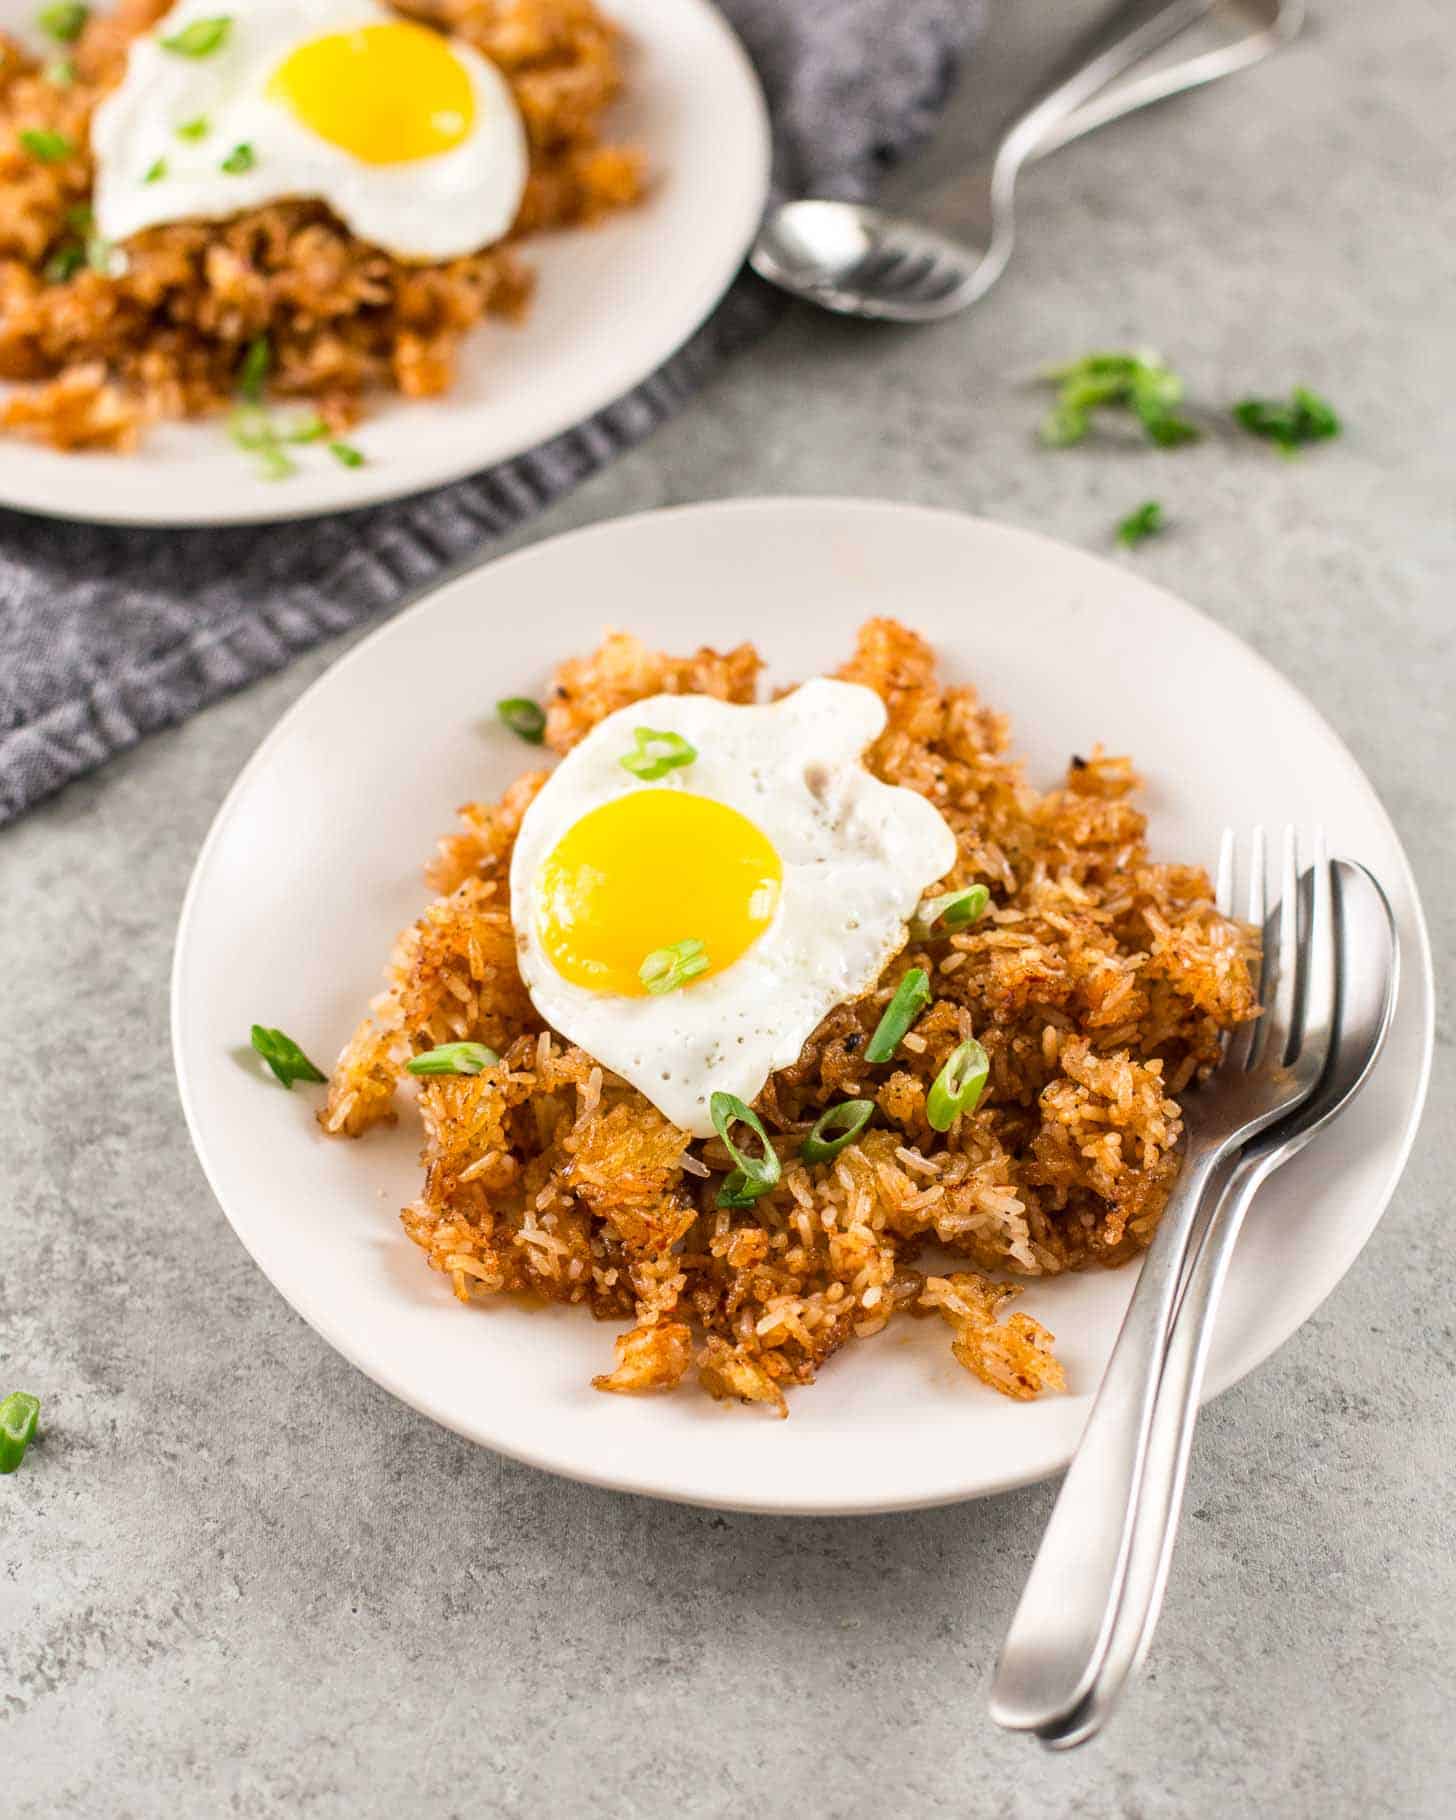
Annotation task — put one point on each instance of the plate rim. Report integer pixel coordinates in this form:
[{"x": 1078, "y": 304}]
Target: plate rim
[
  {"x": 372, "y": 485},
  {"x": 1417, "y": 979}
]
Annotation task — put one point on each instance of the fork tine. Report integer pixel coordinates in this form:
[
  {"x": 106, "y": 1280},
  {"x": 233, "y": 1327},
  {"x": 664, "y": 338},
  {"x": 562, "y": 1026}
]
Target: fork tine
[
  {"x": 1223, "y": 891},
  {"x": 1320, "y": 988},
  {"x": 1244, "y": 1043},
  {"x": 1281, "y": 996}
]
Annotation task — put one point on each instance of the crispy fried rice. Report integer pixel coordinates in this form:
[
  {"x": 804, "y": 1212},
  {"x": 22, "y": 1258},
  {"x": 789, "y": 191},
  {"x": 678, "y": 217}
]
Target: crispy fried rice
[
  {"x": 1099, "y": 984},
  {"x": 161, "y": 329}
]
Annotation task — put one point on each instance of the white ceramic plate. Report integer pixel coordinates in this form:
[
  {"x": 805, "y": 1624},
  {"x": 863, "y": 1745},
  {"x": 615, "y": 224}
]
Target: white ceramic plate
[
  {"x": 612, "y": 303},
  {"x": 313, "y": 864}
]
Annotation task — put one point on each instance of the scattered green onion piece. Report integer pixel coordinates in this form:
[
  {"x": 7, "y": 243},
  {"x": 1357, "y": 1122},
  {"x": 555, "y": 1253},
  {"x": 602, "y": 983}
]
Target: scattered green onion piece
[
  {"x": 254, "y": 431},
  {"x": 19, "y": 1414},
  {"x": 104, "y": 256},
  {"x": 194, "y": 129},
  {"x": 672, "y": 751},
  {"x": 846, "y": 1120},
  {"x": 1137, "y": 382},
  {"x": 665, "y": 969},
  {"x": 453, "y": 1058},
  {"x": 912, "y": 995},
  {"x": 737, "y": 1191},
  {"x": 951, "y": 910},
  {"x": 45, "y": 146},
  {"x": 752, "y": 1176},
  {"x": 311, "y": 429},
  {"x": 1146, "y": 521},
  {"x": 253, "y": 373},
  {"x": 284, "y": 1056},
  {"x": 346, "y": 453},
  {"x": 241, "y": 158},
  {"x": 959, "y": 1085},
  {"x": 65, "y": 21},
  {"x": 79, "y": 217},
  {"x": 60, "y": 72},
  {"x": 1306, "y": 418},
  {"x": 201, "y": 38},
  {"x": 525, "y": 718},
  {"x": 156, "y": 172},
  {"x": 64, "y": 263}
]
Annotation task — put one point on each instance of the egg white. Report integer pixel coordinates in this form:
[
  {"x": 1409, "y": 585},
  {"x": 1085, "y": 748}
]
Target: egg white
[
  {"x": 857, "y": 857},
  {"x": 423, "y": 209}
]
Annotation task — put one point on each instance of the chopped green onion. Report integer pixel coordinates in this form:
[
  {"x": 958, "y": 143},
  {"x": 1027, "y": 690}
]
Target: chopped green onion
[
  {"x": 156, "y": 172},
  {"x": 952, "y": 910},
  {"x": 912, "y": 995},
  {"x": 1146, "y": 521},
  {"x": 525, "y": 718},
  {"x": 1137, "y": 382},
  {"x": 60, "y": 71},
  {"x": 453, "y": 1058},
  {"x": 752, "y": 1176},
  {"x": 846, "y": 1120},
  {"x": 346, "y": 453},
  {"x": 311, "y": 429},
  {"x": 201, "y": 38},
  {"x": 64, "y": 263},
  {"x": 44, "y": 145},
  {"x": 665, "y": 969},
  {"x": 672, "y": 751},
  {"x": 1306, "y": 418},
  {"x": 254, "y": 431},
  {"x": 241, "y": 158},
  {"x": 959, "y": 1085},
  {"x": 194, "y": 129},
  {"x": 79, "y": 217},
  {"x": 104, "y": 256},
  {"x": 284, "y": 1056},
  {"x": 19, "y": 1414},
  {"x": 253, "y": 373},
  {"x": 65, "y": 21}
]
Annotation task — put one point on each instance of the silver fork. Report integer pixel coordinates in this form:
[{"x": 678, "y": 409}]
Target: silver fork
[
  {"x": 860, "y": 261},
  {"x": 1062, "y": 1627},
  {"x": 1369, "y": 983}
]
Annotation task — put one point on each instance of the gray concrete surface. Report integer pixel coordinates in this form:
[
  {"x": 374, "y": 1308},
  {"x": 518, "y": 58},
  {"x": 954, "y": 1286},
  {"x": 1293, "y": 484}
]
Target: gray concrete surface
[{"x": 239, "y": 1579}]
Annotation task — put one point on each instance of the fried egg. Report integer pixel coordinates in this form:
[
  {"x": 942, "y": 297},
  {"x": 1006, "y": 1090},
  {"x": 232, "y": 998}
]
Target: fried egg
[
  {"x": 412, "y": 138},
  {"x": 772, "y": 847}
]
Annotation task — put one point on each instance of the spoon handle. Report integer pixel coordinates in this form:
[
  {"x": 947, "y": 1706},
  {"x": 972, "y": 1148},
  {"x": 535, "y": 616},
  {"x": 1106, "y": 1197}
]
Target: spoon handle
[
  {"x": 1165, "y": 1468},
  {"x": 1133, "y": 32},
  {"x": 1139, "y": 89}
]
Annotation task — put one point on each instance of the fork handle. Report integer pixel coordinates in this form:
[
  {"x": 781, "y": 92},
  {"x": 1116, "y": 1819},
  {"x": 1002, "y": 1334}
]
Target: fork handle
[
  {"x": 1159, "y": 1501},
  {"x": 1061, "y": 1629}
]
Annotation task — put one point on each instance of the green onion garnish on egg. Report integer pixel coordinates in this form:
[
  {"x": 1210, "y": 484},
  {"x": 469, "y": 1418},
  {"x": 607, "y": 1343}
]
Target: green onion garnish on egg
[
  {"x": 655, "y": 754},
  {"x": 959, "y": 1085},
  {"x": 665, "y": 969},
  {"x": 201, "y": 38},
  {"x": 912, "y": 995}
]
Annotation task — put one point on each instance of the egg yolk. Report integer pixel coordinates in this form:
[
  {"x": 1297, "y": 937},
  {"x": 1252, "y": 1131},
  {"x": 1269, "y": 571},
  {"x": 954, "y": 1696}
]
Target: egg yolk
[
  {"x": 385, "y": 94},
  {"x": 646, "y": 871}
]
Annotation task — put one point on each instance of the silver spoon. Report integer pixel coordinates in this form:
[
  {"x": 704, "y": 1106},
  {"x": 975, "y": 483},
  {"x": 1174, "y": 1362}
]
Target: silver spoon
[
  {"x": 859, "y": 261},
  {"x": 1369, "y": 983}
]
